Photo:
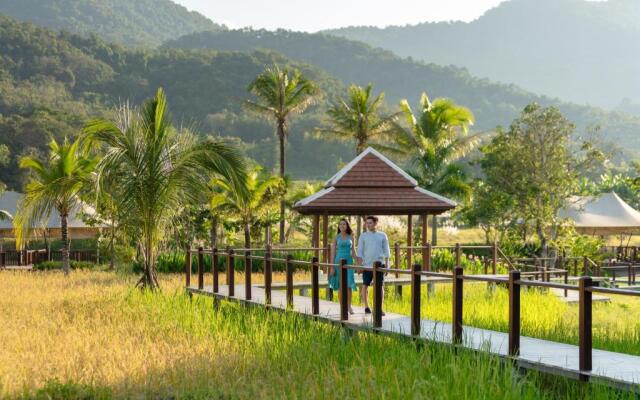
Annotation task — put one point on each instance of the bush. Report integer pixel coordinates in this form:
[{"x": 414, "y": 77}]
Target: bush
[{"x": 53, "y": 265}]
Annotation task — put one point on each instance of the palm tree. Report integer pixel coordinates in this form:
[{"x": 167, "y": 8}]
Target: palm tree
[
  {"x": 55, "y": 186},
  {"x": 158, "y": 170},
  {"x": 281, "y": 93},
  {"x": 357, "y": 117},
  {"x": 297, "y": 221},
  {"x": 435, "y": 140},
  {"x": 261, "y": 192}
]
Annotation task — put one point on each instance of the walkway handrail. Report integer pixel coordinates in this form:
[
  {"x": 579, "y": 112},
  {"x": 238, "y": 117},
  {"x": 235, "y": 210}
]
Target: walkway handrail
[{"x": 514, "y": 281}]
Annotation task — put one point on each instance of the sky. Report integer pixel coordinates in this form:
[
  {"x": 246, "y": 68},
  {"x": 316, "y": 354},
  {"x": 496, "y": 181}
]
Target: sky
[{"x": 315, "y": 15}]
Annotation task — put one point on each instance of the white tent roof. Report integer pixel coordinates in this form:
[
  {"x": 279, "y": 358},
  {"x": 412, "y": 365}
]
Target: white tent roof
[
  {"x": 606, "y": 214},
  {"x": 9, "y": 202}
]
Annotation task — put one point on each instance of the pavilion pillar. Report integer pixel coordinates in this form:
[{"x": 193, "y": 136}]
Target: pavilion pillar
[
  {"x": 326, "y": 254},
  {"x": 315, "y": 235},
  {"x": 325, "y": 237},
  {"x": 409, "y": 240},
  {"x": 426, "y": 254},
  {"x": 434, "y": 230}
]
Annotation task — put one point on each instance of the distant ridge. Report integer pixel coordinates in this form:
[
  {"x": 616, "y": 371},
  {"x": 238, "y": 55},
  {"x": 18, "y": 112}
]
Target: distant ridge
[
  {"x": 128, "y": 22},
  {"x": 581, "y": 51}
]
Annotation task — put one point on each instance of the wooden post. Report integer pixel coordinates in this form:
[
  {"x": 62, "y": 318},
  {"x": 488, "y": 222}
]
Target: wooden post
[
  {"x": 267, "y": 275},
  {"x": 315, "y": 287},
  {"x": 514, "y": 312},
  {"x": 456, "y": 336},
  {"x": 325, "y": 236},
  {"x": 3, "y": 259},
  {"x": 231, "y": 273},
  {"x": 494, "y": 258},
  {"x": 585, "y": 322},
  {"x": 458, "y": 252},
  {"x": 200, "y": 268},
  {"x": 424, "y": 243},
  {"x": 377, "y": 294},
  {"x": 315, "y": 235},
  {"x": 187, "y": 268},
  {"x": 289, "y": 270},
  {"x": 396, "y": 264},
  {"x": 409, "y": 241},
  {"x": 629, "y": 274},
  {"x": 344, "y": 303},
  {"x": 248, "y": 268},
  {"x": 566, "y": 281},
  {"x": 415, "y": 299},
  {"x": 215, "y": 269}
]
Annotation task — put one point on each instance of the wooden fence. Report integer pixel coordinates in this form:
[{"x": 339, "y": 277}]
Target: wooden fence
[{"x": 514, "y": 281}]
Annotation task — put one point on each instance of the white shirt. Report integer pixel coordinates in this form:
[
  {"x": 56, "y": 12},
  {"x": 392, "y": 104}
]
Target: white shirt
[{"x": 372, "y": 247}]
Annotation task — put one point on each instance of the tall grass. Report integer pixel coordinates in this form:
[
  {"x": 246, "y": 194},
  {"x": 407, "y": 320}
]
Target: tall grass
[{"x": 92, "y": 336}]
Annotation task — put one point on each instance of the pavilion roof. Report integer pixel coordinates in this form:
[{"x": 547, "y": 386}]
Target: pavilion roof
[{"x": 373, "y": 184}]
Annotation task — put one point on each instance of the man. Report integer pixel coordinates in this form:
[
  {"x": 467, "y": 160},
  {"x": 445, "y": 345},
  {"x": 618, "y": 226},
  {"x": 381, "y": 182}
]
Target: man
[{"x": 372, "y": 246}]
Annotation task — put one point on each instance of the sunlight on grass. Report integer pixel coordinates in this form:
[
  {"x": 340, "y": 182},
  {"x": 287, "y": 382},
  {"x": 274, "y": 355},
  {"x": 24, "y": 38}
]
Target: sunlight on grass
[{"x": 92, "y": 333}]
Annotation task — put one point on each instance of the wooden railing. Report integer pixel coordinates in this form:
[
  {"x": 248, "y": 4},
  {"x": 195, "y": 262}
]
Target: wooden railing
[
  {"x": 30, "y": 257},
  {"x": 515, "y": 280}
]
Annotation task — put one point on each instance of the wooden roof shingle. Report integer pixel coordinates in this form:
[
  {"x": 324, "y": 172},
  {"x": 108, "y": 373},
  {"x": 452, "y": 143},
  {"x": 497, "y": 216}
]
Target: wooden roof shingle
[{"x": 373, "y": 184}]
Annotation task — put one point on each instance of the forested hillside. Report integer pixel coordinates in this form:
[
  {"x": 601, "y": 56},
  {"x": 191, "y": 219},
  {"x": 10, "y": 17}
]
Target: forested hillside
[
  {"x": 138, "y": 23},
  {"x": 581, "y": 51},
  {"x": 492, "y": 103},
  {"x": 52, "y": 83}
]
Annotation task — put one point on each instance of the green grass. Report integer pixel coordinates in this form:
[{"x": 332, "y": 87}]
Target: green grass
[
  {"x": 91, "y": 336},
  {"x": 616, "y": 325}
]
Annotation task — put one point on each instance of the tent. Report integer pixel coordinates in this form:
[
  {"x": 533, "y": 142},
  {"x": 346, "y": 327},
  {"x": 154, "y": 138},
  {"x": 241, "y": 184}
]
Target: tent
[
  {"x": 78, "y": 229},
  {"x": 606, "y": 214}
]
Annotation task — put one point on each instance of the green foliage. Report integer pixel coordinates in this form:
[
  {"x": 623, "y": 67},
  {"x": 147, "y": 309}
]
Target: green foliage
[
  {"x": 51, "y": 265},
  {"x": 356, "y": 118},
  {"x": 141, "y": 22},
  {"x": 435, "y": 140},
  {"x": 532, "y": 168},
  {"x": 159, "y": 170},
  {"x": 492, "y": 103}
]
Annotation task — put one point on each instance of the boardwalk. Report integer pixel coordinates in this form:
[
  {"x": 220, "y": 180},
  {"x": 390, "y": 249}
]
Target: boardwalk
[{"x": 558, "y": 358}]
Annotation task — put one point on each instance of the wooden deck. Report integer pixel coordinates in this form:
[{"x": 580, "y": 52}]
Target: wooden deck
[{"x": 616, "y": 369}]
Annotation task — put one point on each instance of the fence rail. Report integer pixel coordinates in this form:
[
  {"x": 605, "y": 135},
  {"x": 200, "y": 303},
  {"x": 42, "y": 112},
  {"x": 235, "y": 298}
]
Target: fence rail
[
  {"x": 513, "y": 281},
  {"x": 18, "y": 258}
]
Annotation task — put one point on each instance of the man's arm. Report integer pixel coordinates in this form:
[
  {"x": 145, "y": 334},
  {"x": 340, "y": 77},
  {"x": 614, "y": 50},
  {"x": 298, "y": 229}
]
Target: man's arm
[
  {"x": 386, "y": 250},
  {"x": 360, "y": 250}
]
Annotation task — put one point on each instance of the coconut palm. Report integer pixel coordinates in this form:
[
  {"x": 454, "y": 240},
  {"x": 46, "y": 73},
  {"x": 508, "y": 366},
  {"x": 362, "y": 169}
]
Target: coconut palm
[
  {"x": 158, "y": 170},
  {"x": 436, "y": 138},
  {"x": 54, "y": 186},
  {"x": 357, "y": 117},
  {"x": 261, "y": 192},
  {"x": 281, "y": 93}
]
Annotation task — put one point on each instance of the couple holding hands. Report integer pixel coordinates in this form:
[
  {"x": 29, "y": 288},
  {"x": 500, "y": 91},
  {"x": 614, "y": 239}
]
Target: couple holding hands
[{"x": 373, "y": 246}]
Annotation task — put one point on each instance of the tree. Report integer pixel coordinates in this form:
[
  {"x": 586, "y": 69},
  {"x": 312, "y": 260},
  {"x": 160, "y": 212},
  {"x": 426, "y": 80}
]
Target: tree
[
  {"x": 281, "y": 93},
  {"x": 54, "y": 186},
  {"x": 357, "y": 117},
  {"x": 158, "y": 170},
  {"x": 297, "y": 221},
  {"x": 260, "y": 192},
  {"x": 533, "y": 166},
  {"x": 436, "y": 139}
]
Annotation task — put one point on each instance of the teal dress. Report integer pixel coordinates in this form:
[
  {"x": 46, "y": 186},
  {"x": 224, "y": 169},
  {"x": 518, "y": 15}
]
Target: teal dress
[{"x": 343, "y": 250}]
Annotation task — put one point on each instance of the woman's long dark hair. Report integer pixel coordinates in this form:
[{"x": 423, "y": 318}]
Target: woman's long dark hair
[{"x": 349, "y": 231}]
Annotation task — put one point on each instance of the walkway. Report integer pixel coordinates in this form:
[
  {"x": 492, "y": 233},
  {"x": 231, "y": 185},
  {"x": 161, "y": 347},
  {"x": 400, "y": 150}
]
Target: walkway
[{"x": 562, "y": 359}]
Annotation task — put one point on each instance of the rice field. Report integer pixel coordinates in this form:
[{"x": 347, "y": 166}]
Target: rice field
[{"x": 92, "y": 336}]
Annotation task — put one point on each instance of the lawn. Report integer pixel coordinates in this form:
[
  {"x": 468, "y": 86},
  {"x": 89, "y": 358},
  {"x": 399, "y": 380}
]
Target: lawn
[{"x": 91, "y": 335}]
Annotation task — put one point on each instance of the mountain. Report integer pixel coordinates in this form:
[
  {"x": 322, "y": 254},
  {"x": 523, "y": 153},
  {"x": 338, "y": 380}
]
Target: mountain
[
  {"x": 351, "y": 61},
  {"x": 52, "y": 83},
  {"x": 134, "y": 23},
  {"x": 581, "y": 51}
]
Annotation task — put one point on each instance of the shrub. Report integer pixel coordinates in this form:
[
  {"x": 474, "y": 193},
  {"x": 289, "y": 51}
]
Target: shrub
[{"x": 53, "y": 265}]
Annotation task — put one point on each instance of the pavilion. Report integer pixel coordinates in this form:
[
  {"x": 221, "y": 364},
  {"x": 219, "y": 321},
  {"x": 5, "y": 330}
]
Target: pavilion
[{"x": 371, "y": 184}]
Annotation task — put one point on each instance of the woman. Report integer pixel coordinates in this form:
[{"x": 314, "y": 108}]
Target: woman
[{"x": 344, "y": 249}]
